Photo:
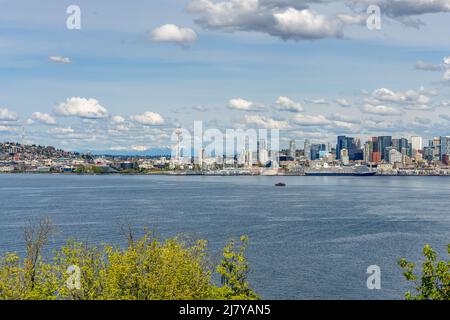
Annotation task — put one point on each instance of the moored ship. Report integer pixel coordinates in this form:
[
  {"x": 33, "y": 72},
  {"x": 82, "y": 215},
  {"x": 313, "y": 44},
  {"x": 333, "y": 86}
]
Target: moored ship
[{"x": 359, "y": 171}]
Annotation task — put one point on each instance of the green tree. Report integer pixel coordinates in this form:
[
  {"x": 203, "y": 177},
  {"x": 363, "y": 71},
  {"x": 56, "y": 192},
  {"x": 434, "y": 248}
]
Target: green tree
[
  {"x": 146, "y": 269},
  {"x": 434, "y": 281}
]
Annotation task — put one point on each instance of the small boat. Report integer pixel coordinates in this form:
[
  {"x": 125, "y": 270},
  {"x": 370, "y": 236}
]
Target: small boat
[{"x": 280, "y": 184}]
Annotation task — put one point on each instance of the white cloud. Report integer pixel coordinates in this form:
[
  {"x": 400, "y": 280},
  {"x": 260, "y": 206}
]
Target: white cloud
[
  {"x": 6, "y": 115},
  {"x": 343, "y": 103},
  {"x": 317, "y": 101},
  {"x": 381, "y": 110},
  {"x": 447, "y": 61},
  {"x": 44, "y": 118},
  {"x": 81, "y": 107},
  {"x": 149, "y": 118},
  {"x": 420, "y": 65},
  {"x": 266, "y": 122},
  {"x": 140, "y": 148},
  {"x": 307, "y": 120},
  {"x": 242, "y": 104},
  {"x": 446, "y": 76},
  {"x": 59, "y": 59},
  {"x": 200, "y": 108},
  {"x": 173, "y": 34},
  {"x": 61, "y": 131},
  {"x": 306, "y": 24},
  {"x": 286, "y": 104},
  {"x": 122, "y": 127},
  {"x": 287, "y": 19},
  {"x": 117, "y": 119},
  {"x": 410, "y": 99},
  {"x": 7, "y": 129}
]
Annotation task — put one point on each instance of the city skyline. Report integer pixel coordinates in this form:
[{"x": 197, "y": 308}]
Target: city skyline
[{"x": 129, "y": 78}]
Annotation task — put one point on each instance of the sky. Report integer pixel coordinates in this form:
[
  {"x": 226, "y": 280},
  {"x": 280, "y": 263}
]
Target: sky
[{"x": 137, "y": 70}]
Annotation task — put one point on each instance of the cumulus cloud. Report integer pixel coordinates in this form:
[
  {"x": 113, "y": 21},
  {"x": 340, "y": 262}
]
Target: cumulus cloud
[
  {"x": 242, "y": 104},
  {"x": 149, "y": 119},
  {"x": 59, "y": 59},
  {"x": 266, "y": 122},
  {"x": 200, "y": 108},
  {"x": 420, "y": 65},
  {"x": 410, "y": 99},
  {"x": 296, "y": 20},
  {"x": 117, "y": 119},
  {"x": 61, "y": 131},
  {"x": 404, "y": 8},
  {"x": 6, "y": 115},
  {"x": 446, "y": 76},
  {"x": 140, "y": 148},
  {"x": 44, "y": 118},
  {"x": 308, "y": 120},
  {"x": 342, "y": 118},
  {"x": 81, "y": 107},
  {"x": 7, "y": 129},
  {"x": 286, "y": 104},
  {"x": 306, "y": 24},
  {"x": 380, "y": 110},
  {"x": 173, "y": 34},
  {"x": 317, "y": 101},
  {"x": 343, "y": 102},
  {"x": 286, "y": 19}
]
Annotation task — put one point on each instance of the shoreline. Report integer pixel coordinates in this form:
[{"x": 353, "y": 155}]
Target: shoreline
[{"x": 216, "y": 175}]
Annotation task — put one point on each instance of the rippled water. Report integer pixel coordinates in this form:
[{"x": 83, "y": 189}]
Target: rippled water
[{"x": 313, "y": 239}]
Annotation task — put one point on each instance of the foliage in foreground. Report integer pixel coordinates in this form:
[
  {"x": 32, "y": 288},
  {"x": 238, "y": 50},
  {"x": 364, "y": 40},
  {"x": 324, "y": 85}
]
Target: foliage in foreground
[
  {"x": 434, "y": 282},
  {"x": 147, "y": 269}
]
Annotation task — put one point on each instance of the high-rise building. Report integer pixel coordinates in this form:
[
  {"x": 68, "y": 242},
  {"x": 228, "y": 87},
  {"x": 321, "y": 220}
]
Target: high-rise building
[
  {"x": 307, "y": 149},
  {"x": 292, "y": 148},
  {"x": 344, "y": 157},
  {"x": 416, "y": 144},
  {"x": 394, "y": 155},
  {"x": 262, "y": 154},
  {"x": 445, "y": 147},
  {"x": 316, "y": 150},
  {"x": 352, "y": 145},
  {"x": 384, "y": 142},
  {"x": 341, "y": 144},
  {"x": 368, "y": 150}
]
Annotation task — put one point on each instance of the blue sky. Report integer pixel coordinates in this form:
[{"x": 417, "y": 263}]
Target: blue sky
[{"x": 121, "y": 64}]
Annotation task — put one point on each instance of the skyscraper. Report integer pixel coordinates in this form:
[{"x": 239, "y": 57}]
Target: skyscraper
[
  {"x": 416, "y": 143},
  {"x": 292, "y": 148},
  {"x": 384, "y": 142},
  {"x": 445, "y": 147},
  {"x": 307, "y": 149}
]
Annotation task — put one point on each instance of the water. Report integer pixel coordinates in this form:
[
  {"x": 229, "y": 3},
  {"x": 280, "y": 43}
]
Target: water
[{"x": 313, "y": 239}]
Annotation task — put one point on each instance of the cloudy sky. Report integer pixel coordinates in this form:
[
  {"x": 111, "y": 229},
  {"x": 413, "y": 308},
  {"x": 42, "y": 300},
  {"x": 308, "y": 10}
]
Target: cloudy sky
[{"x": 138, "y": 69}]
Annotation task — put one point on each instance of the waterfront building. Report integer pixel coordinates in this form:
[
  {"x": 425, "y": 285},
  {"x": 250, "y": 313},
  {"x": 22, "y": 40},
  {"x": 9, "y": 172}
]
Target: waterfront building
[
  {"x": 368, "y": 150},
  {"x": 292, "y": 148},
  {"x": 444, "y": 147},
  {"x": 344, "y": 157},
  {"x": 384, "y": 142},
  {"x": 307, "y": 149},
  {"x": 316, "y": 149},
  {"x": 416, "y": 144},
  {"x": 262, "y": 153},
  {"x": 394, "y": 156}
]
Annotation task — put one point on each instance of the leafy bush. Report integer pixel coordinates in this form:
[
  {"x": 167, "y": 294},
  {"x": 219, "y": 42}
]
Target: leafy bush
[
  {"x": 434, "y": 282},
  {"x": 147, "y": 269}
]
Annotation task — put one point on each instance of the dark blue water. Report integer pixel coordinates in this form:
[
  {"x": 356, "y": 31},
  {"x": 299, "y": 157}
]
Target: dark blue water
[{"x": 313, "y": 239}]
